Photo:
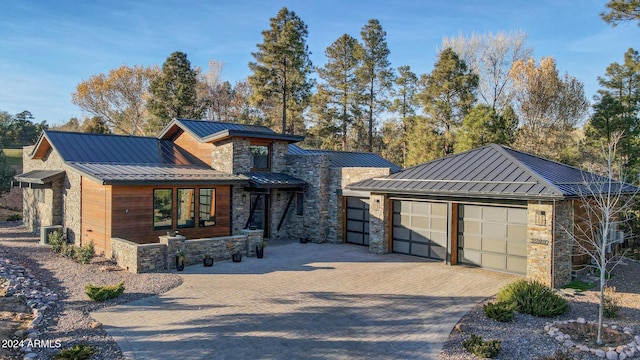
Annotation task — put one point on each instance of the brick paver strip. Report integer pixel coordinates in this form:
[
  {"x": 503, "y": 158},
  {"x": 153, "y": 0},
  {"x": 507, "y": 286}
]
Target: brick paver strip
[{"x": 303, "y": 301}]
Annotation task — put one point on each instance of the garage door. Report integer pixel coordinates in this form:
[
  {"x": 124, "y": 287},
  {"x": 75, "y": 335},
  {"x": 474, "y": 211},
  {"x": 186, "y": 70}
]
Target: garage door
[
  {"x": 357, "y": 220},
  {"x": 420, "y": 228},
  {"x": 493, "y": 237}
]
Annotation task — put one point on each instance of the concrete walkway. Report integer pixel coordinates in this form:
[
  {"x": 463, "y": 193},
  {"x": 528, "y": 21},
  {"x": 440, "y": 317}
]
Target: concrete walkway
[{"x": 303, "y": 301}]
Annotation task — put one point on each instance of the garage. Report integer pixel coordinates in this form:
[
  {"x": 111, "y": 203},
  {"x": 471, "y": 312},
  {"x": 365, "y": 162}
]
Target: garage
[
  {"x": 420, "y": 228},
  {"x": 493, "y": 237},
  {"x": 357, "y": 220}
]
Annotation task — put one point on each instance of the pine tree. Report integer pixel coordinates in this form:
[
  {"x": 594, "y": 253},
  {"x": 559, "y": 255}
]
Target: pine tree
[
  {"x": 336, "y": 105},
  {"x": 404, "y": 104},
  {"x": 281, "y": 70},
  {"x": 447, "y": 97},
  {"x": 173, "y": 92},
  {"x": 6, "y": 173},
  {"x": 484, "y": 126},
  {"x": 375, "y": 74}
]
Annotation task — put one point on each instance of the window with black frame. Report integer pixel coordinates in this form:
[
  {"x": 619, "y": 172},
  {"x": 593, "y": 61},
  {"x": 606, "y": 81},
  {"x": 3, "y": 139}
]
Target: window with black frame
[
  {"x": 162, "y": 209},
  {"x": 259, "y": 157},
  {"x": 207, "y": 207}
]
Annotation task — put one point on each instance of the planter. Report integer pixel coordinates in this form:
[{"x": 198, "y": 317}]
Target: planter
[
  {"x": 207, "y": 262},
  {"x": 179, "y": 263},
  {"x": 259, "y": 252},
  {"x": 236, "y": 257}
]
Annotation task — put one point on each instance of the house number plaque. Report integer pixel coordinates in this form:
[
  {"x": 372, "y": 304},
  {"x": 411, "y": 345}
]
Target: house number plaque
[{"x": 540, "y": 241}]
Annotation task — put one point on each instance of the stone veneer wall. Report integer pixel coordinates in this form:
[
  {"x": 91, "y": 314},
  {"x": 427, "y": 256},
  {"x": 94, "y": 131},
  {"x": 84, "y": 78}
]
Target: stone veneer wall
[
  {"x": 62, "y": 201},
  {"x": 549, "y": 246},
  {"x": 563, "y": 243},
  {"x": 222, "y": 156},
  {"x": 279, "y": 151},
  {"x": 340, "y": 178},
  {"x": 378, "y": 224},
  {"x": 315, "y": 224},
  {"x": 139, "y": 258}
]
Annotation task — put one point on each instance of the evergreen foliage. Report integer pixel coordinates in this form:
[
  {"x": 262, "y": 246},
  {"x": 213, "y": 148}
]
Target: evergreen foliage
[
  {"x": 6, "y": 172},
  {"x": 533, "y": 298},
  {"x": 104, "y": 293}
]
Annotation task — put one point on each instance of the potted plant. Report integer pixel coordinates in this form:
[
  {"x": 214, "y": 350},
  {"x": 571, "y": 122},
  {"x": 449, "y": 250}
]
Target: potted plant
[
  {"x": 207, "y": 261},
  {"x": 180, "y": 258},
  {"x": 260, "y": 248},
  {"x": 236, "y": 255}
]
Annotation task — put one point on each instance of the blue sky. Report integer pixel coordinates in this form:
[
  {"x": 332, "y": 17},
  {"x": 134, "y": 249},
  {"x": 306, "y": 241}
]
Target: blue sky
[{"x": 48, "y": 47}]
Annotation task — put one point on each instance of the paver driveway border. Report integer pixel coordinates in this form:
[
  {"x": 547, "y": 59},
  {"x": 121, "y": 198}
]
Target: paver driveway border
[{"x": 303, "y": 301}]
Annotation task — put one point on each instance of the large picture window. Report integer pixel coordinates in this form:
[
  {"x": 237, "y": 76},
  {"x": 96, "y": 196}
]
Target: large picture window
[
  {"x": 186, "y": 208},
  {"x": 162, "y": 208},
  {"x": 259, "y": 157},
  {"x": 207, "y": 211}
]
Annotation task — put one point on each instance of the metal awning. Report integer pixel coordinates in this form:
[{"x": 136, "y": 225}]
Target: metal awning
[
  {"x": 271, "y": 180},
  {"x": 37, "y": 178}
]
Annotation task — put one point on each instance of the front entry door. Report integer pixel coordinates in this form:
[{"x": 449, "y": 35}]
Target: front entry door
[{"x": 260, "y": 211}]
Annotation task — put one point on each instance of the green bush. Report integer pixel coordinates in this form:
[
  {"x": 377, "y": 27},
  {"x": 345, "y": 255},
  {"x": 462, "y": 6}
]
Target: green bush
[
  {"x": 103, "y": 293},
  {"x": 14, "y": 217},
  {"x": 533, "y": 298},
  {"x": 499, "y": 311},
  {"x": 78, "y": 352},
  {"x": 481, "y": 348},
  {"x": 611, "y": 306},
  {"x": 85, "y": 253},
  {"x": 57, "y": 241}
]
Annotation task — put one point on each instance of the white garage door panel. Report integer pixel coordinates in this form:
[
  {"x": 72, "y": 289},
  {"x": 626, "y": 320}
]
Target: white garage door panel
[{"x": 493, "y": 237}]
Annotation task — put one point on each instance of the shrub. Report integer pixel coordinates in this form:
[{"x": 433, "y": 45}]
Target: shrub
[
  {"x": 78, "y": 352},
  {"x": 481, "y": 348},
  {"x": 103, "y": 293},
  {"x": 499, "y": 311},
  {"x": 14, "y": 217},
  {"x": 611, "y": 306},
  {"x": 57, "y": 241},
  {"x": 533, "y": 298},
  {"x": 85, "y": 253}
]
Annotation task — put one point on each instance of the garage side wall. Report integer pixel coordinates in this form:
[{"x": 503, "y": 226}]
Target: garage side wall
[
  {"x": 379, "y": 224},
  {"x": 549, "y": 245}
]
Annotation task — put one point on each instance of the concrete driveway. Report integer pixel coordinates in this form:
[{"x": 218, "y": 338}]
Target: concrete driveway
[{"x": 303, "y": 301}]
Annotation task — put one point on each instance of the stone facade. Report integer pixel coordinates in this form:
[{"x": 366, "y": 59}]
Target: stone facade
[
  {"x": 378, "y": 224},
  {"x": 315, "y": 222},
  {"x": 140, "y": 258},
  {"x": 62, "y": 200},
  {"x": 549, "y": 244}
]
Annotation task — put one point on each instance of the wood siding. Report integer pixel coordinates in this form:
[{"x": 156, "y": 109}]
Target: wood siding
[
  {"x": 96, "y": 222},
  {"x": 132, "y": 214},
  {"x": 195, "y": 148}
]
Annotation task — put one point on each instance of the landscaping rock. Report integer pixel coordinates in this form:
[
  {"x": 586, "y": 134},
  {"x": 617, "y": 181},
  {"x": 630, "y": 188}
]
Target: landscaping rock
[
  {"x": 612, "y": 355},
  {"x": 600, "y": 353}
]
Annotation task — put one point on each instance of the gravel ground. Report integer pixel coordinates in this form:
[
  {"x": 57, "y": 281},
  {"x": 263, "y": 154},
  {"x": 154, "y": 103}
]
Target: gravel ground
[
  {"x": 68, "y": 321},
  {"x": 525, "y": 338}
]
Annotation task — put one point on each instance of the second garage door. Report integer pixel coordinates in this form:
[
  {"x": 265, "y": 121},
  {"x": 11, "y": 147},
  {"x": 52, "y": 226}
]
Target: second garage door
[
  {"x": 420, "y": 228},
  {"x": 493, "y": 237}
]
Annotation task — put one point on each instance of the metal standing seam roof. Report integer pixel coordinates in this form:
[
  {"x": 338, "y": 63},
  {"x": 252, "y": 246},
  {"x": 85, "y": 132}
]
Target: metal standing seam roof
[
  {"x": 273, "y": 180},
  {"x": 39, "y": 176},
  {"x": 206, "y": 131},
  {"x": 121, "y": 174},
  {"x": 491, "y": 171},
  {"x": 348, "y": 158}
]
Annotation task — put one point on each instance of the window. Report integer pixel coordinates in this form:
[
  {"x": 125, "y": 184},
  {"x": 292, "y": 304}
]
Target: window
[
  {"x": 299, "y": 203},
  {"x": 162, "y": 208},
  {"x": 39, "y": 195},
  {"x": 207, "y": 211},
  {"x": 186, "y": 208},
  {"x": 259, "y": 157}
]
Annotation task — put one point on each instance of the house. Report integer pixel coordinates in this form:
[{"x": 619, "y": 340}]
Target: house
[
  {"x": 492, "y": 207},
  {"x": 204, "y": 179}
]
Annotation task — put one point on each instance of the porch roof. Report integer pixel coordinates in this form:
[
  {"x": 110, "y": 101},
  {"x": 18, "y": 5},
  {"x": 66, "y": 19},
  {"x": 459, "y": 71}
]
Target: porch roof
[
  {"x": 39, "y": 176},
  {"x": 271, "y": 180},
  {"x": 154, "y": 174}
]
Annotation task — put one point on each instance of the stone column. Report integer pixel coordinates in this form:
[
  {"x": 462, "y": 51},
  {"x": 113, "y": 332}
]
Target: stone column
[
  {"x": 378, "y": 224},
  {"x": 173, "y": 243},
  {"x": 539, "y": 241},
  {"x": 563, "y": 243},
  {"x": 253, "y": 237}
]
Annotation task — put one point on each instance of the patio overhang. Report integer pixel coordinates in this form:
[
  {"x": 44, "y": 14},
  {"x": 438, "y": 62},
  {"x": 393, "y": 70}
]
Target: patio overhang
[
  {"x": 37, "y": 179},
  {"x": 270, "y": 180}
]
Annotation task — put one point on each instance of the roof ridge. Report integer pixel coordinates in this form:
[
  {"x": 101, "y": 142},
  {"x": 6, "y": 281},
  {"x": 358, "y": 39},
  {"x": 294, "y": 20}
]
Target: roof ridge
[
  {"x": 503, "y": 150},
  {"x": 99, "y": 134}
]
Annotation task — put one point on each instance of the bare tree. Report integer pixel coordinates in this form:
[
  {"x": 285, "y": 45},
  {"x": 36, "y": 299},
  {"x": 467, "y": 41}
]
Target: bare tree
[{"x": 604, "y": 202}]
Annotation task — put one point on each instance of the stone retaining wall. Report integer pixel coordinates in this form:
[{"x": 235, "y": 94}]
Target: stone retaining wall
[{"x": 140, "y": 258}]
